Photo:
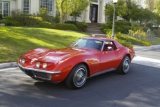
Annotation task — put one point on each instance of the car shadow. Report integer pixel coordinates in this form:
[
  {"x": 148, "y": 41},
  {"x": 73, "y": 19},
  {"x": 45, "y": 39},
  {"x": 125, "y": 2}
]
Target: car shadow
[{"x": 105, "y": 86}]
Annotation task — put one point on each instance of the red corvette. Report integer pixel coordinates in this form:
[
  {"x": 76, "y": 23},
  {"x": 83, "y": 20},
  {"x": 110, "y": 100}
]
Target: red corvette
[{"x": 87, "y": 57}]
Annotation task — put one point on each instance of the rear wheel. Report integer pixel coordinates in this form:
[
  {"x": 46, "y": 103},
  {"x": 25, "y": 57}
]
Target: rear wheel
[
  {"x": 78, "y": 76},
  {"x": 124, "y": 66}
]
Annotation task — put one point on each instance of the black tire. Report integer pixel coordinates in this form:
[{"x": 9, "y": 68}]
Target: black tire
[
  {"x": 77, "y": 77},
  {"x": 124, "y": 66}
]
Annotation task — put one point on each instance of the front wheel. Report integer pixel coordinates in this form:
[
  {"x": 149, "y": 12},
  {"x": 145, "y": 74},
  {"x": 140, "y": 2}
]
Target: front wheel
[
  {"x": 124, "y": 66},
  {"x": 77, "y": 77}
]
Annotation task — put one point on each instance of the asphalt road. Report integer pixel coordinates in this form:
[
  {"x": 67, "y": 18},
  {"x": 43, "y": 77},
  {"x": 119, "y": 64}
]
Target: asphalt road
[{"x": 139, "y": 88}]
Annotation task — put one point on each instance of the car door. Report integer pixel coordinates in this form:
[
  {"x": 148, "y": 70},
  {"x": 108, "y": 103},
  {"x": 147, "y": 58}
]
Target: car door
[{"x": 108, "y": 56}]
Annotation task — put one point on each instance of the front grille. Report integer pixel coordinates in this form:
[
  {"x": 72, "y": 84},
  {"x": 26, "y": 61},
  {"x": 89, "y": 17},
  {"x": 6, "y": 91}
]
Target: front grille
[
  {"x": 41, "y": 75},
  {"x": 28, "y": 72}
]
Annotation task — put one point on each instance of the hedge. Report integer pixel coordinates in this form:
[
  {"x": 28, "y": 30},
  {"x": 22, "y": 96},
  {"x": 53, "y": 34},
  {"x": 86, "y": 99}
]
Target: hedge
[
  {"x": 34, "y": 21},
  {"x": 65, "y": 26},
  {"x": 1, "y": 17},
  {"x": 129, "y": 39},
  {"x": 120, "y": 26},
  {"x": 82, "y": 26}
]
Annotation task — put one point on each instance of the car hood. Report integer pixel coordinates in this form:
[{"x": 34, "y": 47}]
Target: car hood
[{"x": 49, "y": 55}]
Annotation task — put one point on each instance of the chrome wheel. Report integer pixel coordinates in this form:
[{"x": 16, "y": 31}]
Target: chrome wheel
[
  {"x": 126, "y": 64},
  {"x": 80, "y": 77},
  {"x": 77, "y": 77}
]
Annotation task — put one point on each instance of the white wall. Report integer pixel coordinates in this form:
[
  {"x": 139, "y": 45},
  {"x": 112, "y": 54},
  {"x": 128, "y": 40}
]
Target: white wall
[
  {"x": 34, "y": 6},
  {"x": 19, "y": 4},
  {"x": 12, "y": 5}
]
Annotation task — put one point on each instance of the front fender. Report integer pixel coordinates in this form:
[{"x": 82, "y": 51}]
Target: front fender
[{"x": 66, "y": 65}]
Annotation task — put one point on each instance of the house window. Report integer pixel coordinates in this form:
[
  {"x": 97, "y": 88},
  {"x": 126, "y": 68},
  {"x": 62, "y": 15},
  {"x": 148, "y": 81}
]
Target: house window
[
  {"x": 4, "y": 8},
  {"x": 26, "y": 6},
  {"x": 47, "y": 4}
]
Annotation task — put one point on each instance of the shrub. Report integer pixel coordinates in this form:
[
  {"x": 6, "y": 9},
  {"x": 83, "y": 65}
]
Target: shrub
[
  {"x": 44, "y": 14},
  {"x": 124, "y": 43},
  {"x": 120, "y": 40},
  {"x": 65, "y": 26},
  {"x": 109, "y": 33},
  {"x": 106, "y": 26},
  {"x": 135, "y": 26},
  {"x": 24, "y": 20},
  {"x": 9, "y": 18},
  {"x": 139, "y": 34},
  {"x": 9, "y": 23},
  {"x": 71, "y": 22},
  {"x": 120, "y": 26},
  {"x": 82, "y": 26},
  {"x": 145, "y": 43},
  {"x": 1, "y": 21},
  {"x": 1, "y": 16},
  {"x": 45, "y": 24},
  {"x": 156, "y": 32},
  {"x": 133, "y": 40}
]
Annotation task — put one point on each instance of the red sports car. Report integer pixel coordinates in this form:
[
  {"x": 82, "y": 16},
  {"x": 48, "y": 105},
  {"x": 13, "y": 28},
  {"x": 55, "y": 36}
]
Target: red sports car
[{"x": 87, "y": 57}]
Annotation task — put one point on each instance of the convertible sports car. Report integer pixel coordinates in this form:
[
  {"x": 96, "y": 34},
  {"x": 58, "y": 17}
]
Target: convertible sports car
[{"x": 87, "y": 57}]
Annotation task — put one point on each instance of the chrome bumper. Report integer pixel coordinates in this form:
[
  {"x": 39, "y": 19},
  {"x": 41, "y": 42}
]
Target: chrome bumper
[{"x": 37, "y": 73}]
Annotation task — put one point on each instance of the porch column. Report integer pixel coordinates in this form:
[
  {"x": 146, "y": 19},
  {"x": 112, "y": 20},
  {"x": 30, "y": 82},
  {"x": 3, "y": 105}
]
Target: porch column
[
  {"x": 102, "y": 11},
  {"x": 86, "y": 16}
]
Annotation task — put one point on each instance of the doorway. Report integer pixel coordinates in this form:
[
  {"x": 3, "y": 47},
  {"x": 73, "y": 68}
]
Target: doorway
[{"x": 93, "y": 13}]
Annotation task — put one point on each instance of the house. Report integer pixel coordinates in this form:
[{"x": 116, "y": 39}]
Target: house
[{"x": 94, "y": 13}]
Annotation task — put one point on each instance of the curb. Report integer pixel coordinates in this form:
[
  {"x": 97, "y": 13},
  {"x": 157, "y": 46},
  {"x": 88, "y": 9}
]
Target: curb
[{"x": 8, "y": 65}]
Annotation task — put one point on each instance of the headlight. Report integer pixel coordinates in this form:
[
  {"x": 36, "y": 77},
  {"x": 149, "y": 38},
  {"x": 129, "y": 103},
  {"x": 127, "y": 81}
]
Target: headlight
[
  {"x": 44, "y": 65},
  {"x": 22, "y": 61},
  {"x": 38, "y": 64}
]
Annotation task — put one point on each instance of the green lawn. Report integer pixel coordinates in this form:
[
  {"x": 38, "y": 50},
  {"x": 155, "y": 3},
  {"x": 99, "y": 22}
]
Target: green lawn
[
  {"x": 154, "y": 41},
  {"x": 15, "y": 41}
]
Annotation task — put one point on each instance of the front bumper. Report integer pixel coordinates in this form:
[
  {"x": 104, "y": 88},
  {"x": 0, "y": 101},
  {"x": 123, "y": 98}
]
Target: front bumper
[{"x": 38, "y": 74}]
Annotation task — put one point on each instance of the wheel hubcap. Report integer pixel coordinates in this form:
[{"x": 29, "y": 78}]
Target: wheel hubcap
[
  {"x": 126, "y": 65},
  {"x": 80, "y": 77}
]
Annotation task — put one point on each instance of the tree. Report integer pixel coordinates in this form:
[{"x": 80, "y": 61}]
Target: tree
[
  {"x": 66, "y": 7},
  {"x": 126, "y": 9},
  {"x": 157, "y": 19},
  {"x": 157, "y": 6},
  {"x": 78, "y": 7},
  {"x": 146, "y": 16},
  {"x": 131, "y": 10},
  {"x": 150, "y": 4},
  {"x": 153, "y": 5}
]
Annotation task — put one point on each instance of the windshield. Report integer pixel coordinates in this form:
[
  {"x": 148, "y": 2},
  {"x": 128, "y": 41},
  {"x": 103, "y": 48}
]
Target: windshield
[{"x": 88, "y": 43}]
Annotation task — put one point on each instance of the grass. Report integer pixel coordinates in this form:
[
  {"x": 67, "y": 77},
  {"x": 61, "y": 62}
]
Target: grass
[
  {"x": 154, "y": 41},
  {"x": 15, "y": 41}
]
